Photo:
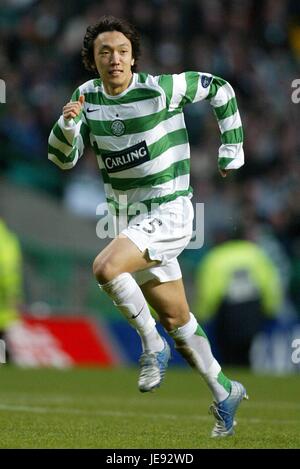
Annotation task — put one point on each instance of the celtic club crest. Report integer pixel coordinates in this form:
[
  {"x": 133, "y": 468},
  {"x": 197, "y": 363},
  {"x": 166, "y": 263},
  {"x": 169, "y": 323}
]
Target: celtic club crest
[{"x": 118, "y": 127}]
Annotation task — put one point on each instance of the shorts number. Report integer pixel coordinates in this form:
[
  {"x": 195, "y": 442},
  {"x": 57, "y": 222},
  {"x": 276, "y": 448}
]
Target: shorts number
[{"x": 155, "y": 221}]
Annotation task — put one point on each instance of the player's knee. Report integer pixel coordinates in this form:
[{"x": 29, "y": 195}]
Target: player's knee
[
  {"x": 104, "y": 270},
  {"x": 170, "y": 323},
  {"x": 173, "y": 320}
]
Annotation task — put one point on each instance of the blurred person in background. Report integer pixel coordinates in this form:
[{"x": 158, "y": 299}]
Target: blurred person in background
[
  {"x": 237, "y": 288},
  {"x": 10, "y": 280},
  {"x": 135, "y": 124}
]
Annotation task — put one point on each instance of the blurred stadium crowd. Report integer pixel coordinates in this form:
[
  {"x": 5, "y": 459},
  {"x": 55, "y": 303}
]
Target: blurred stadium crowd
[{"x": 253, "y": 44}]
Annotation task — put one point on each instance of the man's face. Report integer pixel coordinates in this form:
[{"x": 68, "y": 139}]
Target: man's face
[{"x": 113, "y": 59}]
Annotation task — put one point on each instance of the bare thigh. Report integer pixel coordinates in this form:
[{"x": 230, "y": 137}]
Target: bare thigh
[
  {"x": 119, "y": 256},
  {"x": 169, "y": 301}
]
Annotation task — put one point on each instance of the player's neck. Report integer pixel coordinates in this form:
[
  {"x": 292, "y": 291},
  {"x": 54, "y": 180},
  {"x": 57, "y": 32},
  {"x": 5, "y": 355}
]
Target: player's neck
[{"x": 114, "y": 90}]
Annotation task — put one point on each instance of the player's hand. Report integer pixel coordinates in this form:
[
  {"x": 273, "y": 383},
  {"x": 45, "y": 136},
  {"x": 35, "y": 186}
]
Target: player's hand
[
  {"x": 224, "y": 172},
  {"x": 73, "y": 108}
]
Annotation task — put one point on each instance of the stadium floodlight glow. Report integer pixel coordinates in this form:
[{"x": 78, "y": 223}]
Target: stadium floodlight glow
[{"x": 2, "y": 91}]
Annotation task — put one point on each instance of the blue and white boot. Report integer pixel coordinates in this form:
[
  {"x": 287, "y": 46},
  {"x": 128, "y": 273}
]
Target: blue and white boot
[
  {"x": 224, "y": 411},
  {"x": 153, "y": 368}
]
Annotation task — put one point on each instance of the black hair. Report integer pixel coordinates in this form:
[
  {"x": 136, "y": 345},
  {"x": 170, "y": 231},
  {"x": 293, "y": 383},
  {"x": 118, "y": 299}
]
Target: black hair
[{"x": 109, "y": 23}]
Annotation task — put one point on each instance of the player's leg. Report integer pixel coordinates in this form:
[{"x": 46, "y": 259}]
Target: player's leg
[
  {"x": 169, "y": 301},
  {"x": 119, "y": 256},
  {"x": 112, "y": 269}
]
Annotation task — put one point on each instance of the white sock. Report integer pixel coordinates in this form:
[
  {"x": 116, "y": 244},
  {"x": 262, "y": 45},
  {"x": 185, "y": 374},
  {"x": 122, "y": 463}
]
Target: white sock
[
  {"x": 129, "y": 299},
  {"x": 194, "y": 346}
]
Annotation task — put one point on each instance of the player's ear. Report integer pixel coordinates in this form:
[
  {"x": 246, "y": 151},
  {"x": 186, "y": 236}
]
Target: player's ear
[{"x": 132, "y": 62}]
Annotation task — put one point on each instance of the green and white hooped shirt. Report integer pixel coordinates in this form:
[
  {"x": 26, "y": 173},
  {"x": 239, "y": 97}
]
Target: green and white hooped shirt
[{"x": 140, "y": 138}]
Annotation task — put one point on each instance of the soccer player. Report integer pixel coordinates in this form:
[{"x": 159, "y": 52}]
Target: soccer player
[{"x": 135, "y": 124}]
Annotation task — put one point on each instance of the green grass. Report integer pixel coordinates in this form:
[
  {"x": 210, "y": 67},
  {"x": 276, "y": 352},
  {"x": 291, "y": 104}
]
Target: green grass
[{"x": 94, "y": 408}]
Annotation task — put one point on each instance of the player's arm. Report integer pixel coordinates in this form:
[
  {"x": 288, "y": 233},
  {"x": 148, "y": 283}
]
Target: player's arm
[
  {"x": 69, "y": 135},
  {"x": 222, "y": 97},
  {"x": 190, "y": 87}
]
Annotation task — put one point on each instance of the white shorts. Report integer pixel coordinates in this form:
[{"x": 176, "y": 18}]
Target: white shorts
[{"x": 164, "y": 234}]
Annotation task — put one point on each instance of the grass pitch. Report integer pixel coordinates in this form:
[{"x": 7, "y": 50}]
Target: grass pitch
[{"x": 94, "y": 408}]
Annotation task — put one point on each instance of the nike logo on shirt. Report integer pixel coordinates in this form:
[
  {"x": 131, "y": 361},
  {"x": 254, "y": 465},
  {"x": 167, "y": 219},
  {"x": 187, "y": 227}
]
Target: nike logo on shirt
[{"x": 92, "y": 110}]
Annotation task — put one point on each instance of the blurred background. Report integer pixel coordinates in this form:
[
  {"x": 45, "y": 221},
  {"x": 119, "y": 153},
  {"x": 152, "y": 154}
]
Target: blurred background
[{"x": 252, "y": 222}]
